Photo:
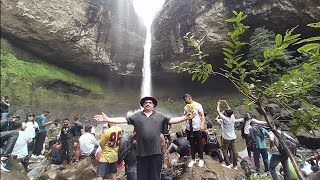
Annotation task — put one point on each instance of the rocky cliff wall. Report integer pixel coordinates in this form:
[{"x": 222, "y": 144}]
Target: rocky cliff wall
[
  {"x": 91, "y": 36},
  {"x": 207, "y": 18}
]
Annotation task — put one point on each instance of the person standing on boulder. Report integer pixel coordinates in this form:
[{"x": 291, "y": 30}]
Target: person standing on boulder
[
  {"x": 197, "y": 128},
  {"x": 228, "y": 135},
  {"x": 66, "y": 139},
  {"x": 110, "y": 144},
  {"x": 78, "y": 131},
  {"x": 148, "y": 124},
  {"x": 41, "y": 134}
]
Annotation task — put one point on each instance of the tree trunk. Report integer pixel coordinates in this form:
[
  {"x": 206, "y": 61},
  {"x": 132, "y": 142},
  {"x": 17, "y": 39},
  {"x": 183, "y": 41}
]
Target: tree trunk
[{"x": 281, "y": 140}]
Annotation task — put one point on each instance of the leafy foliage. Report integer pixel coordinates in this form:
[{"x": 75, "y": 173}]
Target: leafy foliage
[{"x": 295, "y": 84}]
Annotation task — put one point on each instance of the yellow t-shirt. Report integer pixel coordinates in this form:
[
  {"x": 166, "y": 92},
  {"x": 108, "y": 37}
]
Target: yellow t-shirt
[{"x": 110, "y": 143}]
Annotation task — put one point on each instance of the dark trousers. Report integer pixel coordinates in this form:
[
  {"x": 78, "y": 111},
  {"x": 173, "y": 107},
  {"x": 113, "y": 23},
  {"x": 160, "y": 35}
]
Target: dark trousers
[
  {"x": 225, "y": 146},
  {"x": 67, "y": 151},
  {"x": 149, "y": 167},
  {"x": 8, "y": 138},
  {"x": 131, "y": 171},
  {"x": 247, "y": 138},
  {"x": 30, "y": 146},
  {"x": 196, "y": 144},
  {"x": 274, "y": 161},
  {"x": 39, "y": 140},
  {"x": 264, "y": 154}
]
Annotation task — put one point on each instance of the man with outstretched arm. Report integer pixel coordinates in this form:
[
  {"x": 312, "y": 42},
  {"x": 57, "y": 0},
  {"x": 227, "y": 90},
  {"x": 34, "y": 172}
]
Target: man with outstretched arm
[{"x": 148, "y": 124}]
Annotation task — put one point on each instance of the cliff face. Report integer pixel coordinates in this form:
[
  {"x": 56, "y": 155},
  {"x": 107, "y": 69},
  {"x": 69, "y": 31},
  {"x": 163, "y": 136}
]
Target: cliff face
[
  {"x": 207, "y": 18},
  {"x": 94, "y": 36},
  {"x": 106, "y": 37}
]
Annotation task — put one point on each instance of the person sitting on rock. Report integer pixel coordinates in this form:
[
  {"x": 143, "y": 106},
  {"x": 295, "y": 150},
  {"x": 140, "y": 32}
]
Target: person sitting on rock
[
  {"x": 212, "y": 146},
  {"x": 78, "y": 131},
  {"x": 88, "y": 143},
  {"x": 7, "y": 142},
  {"x": 55, "y": 153},
  {"x": 66, "y": 139},
  {"x": 21, "y": 146},
  {"x": 4, "y": 107},
  {"x": 180, "y": 145},
  {"x": 109, "y": 143}
]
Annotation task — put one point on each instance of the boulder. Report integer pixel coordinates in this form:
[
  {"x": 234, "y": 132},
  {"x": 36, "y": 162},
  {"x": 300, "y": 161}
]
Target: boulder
[
  {"x": 37, "y": 168},
  {"x": 84, "y": 169},
  {"x": 273, "y": 109},
  {"x": 17, "y": 172},
  {"x": 310, "y": 141}
]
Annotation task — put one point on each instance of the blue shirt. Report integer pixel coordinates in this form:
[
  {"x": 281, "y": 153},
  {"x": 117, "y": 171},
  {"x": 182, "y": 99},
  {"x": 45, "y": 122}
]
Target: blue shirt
[
  {"x": 260, "y": 143},
  {"x": 41, "y": 119}
]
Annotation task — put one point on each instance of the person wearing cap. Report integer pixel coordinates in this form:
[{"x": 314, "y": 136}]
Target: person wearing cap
[
  {"x": 21, "y": 146},
  {"x": 194, "y": 133},
  {"x": 30, "y": 127},
  {"x": 148, "y": 124}
]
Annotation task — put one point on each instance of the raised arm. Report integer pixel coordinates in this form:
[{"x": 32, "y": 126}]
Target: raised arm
[
  {"x": 226, "y": 104},
  {"x": 239, "y": 120},
  {"x": 259, "y": 122},
  {"x": 218, "y": 108},
  {"x": 176, "y": 120},
  {"x": 104, "y": 118}
]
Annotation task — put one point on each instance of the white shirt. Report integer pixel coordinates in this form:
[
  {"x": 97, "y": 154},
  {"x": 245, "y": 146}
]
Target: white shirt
[
  {"x": 93, "y": 130},
  {"x": 21, "y": 147},
  {"x": 87, "y": 143},
  {"x": 30, "y": 128},
  {"x": 247, "y": 125},
  {"x": 196, "y": 121},
  {"x": 228, "y": 127}
]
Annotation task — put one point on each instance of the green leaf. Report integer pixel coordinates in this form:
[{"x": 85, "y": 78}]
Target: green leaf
[
  {"x": 228, "y": 55},
  {"x": 228, "y": 50},
  {"x": 308, "y": 47},
  {"x": 230, "y": 20},
  {"x": 314, "y": 25},
  {"x": 317, "y": 38},
  {"x": 255, "y": 62},
  {"x": 235, "y": 12},
  {"x": 285, "y": 77},
  {"x": 229, "y": 65},
  {"x": 307, "y": 67},
  {"x": 229, "y": 43},
  {"x": 194, "y": 76},
  {"x": 243, "y": 62},
  {"x": 278, "y": 39}
]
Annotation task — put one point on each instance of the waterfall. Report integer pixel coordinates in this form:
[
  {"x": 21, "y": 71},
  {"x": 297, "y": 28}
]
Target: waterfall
[{"x": 147, "y": 10}]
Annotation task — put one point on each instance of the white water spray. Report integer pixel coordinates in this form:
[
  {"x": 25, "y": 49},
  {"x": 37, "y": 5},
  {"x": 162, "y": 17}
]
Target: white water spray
[{"x": 147, "y": 10}]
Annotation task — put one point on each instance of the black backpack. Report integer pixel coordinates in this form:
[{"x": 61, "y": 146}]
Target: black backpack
[
  {"x": 292, "y": 146},
  {"x": 211, "y": 138}
]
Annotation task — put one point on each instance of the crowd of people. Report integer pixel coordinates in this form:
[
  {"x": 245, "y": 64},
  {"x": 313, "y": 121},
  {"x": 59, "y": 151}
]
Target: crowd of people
[{"x": 143, "y": 151}]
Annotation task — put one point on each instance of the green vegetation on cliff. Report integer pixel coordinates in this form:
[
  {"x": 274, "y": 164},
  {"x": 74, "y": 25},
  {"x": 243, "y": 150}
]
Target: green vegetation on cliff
[{"x": 33, "y": 85}]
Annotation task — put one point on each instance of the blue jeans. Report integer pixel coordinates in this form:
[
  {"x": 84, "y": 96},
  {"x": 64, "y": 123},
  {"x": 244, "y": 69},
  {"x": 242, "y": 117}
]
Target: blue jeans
[
  {"x": 256, "y": 155},
  {"x": 274, "y": 161},
  {"x": 131, "y": 171},
  {"x": 4, "y": 115}
]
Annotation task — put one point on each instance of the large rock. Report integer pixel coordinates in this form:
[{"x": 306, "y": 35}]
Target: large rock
[
  {"x": 17, "y": 172},
  {"x": 85, "y": 169},
  {"x": 309, "y": 140},
  {"x": 207, "y": 18},
  {"x": 97, "y": 36}
]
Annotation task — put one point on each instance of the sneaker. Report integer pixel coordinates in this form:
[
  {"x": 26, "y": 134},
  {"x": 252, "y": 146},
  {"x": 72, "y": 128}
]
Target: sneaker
[
  {"x": 41, "y": 157},
  {"x": 5, "y": 165},
  {"x": 235, "y": 168},
  {"x": 191, "y": 163},
  {"x": 227, "y": 166},
  {"x": 201, "y": 163}
]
